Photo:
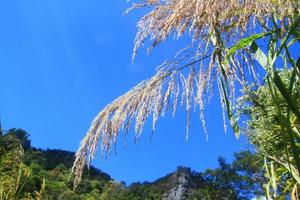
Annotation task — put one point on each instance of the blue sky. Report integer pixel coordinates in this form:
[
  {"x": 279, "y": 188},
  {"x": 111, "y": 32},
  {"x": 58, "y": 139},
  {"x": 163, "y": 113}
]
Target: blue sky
[{"x": 62, "y": 61}]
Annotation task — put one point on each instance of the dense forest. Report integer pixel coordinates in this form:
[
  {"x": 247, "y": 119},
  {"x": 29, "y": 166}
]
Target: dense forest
[{"x": 31, "y": 173}]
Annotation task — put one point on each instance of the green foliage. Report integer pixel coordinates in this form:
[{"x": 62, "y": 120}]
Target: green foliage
[
  {"x": 274, "y": 129},
  {"x": 48, "y": 171},
  {"x": 21, "y": 135},
  {"x": 14, "y": 175},
  {"x": 23, "y": 172},
  {"x": 272, "y": 109},
  {"x": 240, "y": 180}
]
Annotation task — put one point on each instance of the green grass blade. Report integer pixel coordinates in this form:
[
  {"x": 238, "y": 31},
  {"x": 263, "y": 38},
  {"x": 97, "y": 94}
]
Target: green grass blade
[{"x": 245, "y": 42}]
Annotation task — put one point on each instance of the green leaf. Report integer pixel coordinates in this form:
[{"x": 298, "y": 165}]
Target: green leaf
[
  {"x": 297, "y": 39},
  {"x": 291, "y": 168},
  {"x": 245, "y": 42},
  {"x": 232, "y": 119},
  {"x": 281, "y": 87},
  {"x": 273, "y": 177}
]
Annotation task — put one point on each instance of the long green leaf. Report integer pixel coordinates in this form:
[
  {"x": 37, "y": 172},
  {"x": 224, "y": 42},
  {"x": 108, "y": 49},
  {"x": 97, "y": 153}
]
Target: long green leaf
[
  {"x": 294, "y": 40},
  {"x": 245, "y": 42},
  {"x": 232, "y": 119},
  {"x": 291, "y": 103},
  {"x": 289, "y": 167}
]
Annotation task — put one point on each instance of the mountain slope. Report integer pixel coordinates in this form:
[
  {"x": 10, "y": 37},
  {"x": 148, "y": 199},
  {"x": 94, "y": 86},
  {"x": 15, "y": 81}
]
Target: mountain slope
[{"x": 228, "y": 181}]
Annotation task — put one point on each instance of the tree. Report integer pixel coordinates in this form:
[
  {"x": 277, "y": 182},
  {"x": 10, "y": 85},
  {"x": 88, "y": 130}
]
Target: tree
[
  {"x": 22, "y": 136},
  {"x": 242, "y": 179},
  {"x": 224, "y": 52}
]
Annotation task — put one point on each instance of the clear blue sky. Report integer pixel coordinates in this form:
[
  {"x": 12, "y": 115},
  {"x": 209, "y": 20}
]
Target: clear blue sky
[{"x": 62, "y": 61}]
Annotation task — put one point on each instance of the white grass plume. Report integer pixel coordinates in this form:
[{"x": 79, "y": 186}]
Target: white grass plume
[{"x": 213, "y": 26}]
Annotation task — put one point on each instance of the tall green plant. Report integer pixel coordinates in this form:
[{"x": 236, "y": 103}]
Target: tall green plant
[
  {"x": 275, "y": 133},
  {"x": 13, "y": 173}
]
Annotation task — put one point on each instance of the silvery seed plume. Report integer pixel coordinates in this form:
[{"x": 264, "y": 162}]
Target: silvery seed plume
[
  {"x": 199, "y": 17},
  {"x": 213, "y": 27},
  {"x": 151, "y": 98}
]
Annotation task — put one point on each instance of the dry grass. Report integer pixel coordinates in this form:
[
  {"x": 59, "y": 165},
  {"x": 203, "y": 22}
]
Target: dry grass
[
  {"x": 213, "y": 26},
  {"x": 202, "y": 17}
]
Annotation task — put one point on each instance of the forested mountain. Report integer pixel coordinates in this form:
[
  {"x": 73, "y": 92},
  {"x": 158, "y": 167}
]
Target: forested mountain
[{"x": 48, "y": 177}]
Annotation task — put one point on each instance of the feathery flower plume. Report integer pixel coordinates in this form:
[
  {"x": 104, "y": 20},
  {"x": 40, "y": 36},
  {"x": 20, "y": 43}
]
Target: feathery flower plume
[{"x": 214, "y": 26}]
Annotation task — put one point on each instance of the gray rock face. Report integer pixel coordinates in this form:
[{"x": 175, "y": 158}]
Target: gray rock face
[{"x": 181, "y": 181}]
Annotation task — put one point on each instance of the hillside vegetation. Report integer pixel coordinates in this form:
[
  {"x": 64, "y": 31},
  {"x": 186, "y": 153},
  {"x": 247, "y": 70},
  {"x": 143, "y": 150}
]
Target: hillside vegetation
[{"x": 31, "y": 173}]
